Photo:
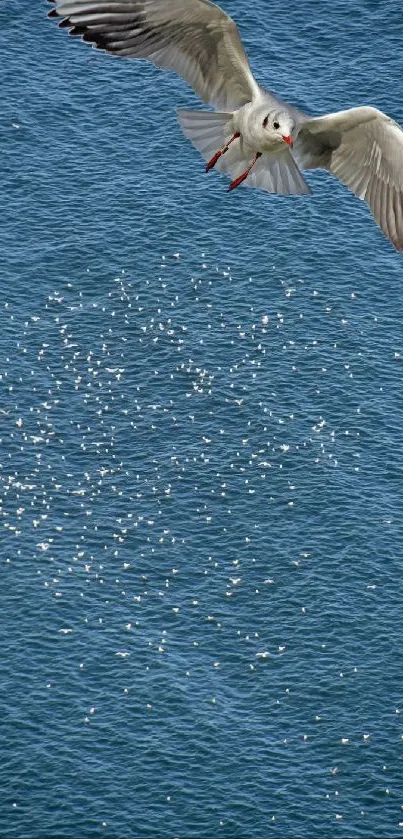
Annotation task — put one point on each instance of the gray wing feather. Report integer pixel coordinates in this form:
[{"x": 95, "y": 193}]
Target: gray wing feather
[
  {"x": 195, "y": 38},
  {"x": 363, "y": 148}
]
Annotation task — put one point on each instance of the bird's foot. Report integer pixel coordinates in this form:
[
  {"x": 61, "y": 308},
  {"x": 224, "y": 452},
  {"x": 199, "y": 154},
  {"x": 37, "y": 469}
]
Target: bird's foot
[
  {"x": 222, "y": 151},
  {"x": 214, "y": 159},
  {"x": 245, "y": 174}
]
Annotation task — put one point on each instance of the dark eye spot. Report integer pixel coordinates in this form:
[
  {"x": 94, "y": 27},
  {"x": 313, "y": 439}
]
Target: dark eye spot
[
  {"x": 276, "y": 125},
  {"x": 265, "y": 121}
]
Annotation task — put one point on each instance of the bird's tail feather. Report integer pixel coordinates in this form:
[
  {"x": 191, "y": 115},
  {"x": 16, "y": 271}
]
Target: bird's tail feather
[{"x": 209, "y": 131}]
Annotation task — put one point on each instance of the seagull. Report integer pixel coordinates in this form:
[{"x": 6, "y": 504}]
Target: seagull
[{"x": 252, "y": 136}]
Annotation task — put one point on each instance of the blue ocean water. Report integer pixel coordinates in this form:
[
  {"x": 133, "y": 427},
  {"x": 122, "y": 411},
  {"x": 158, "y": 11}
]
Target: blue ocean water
[{"x": 201, "y": 453}]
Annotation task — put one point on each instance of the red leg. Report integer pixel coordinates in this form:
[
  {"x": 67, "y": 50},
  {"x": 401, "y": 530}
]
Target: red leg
[
  {"x": 244, "y": 175},
  {"x": 222, "y": 151},
  {"x": 213, "y": 160}
]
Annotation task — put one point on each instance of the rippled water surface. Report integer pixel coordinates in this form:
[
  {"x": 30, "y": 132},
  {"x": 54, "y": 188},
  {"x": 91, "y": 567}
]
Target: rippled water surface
[{"x": 201, "y": 454}]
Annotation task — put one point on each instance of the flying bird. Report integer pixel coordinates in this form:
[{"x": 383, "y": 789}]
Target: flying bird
[{"x": 252, "y": 136}]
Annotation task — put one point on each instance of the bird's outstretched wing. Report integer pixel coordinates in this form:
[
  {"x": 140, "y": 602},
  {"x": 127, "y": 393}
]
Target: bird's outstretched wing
[
  {"x": 195, "y": 38},
  {"x": 364, "y": 149}
]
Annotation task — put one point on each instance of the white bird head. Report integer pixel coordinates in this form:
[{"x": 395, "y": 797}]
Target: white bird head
[{"x": 279, "y": 125}]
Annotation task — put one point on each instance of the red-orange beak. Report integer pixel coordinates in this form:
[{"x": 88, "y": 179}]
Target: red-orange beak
[{"x": 287, "y": 140}]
